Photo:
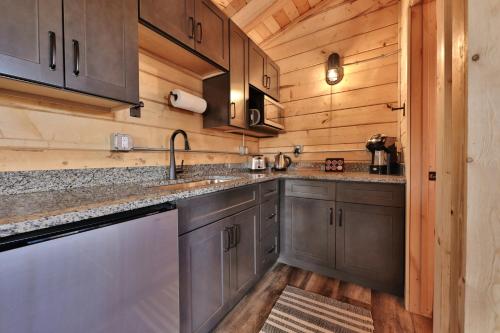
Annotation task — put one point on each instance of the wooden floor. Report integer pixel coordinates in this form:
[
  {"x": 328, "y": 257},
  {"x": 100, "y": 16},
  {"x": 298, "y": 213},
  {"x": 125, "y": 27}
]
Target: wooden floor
[{"x": 388, "y": 312}]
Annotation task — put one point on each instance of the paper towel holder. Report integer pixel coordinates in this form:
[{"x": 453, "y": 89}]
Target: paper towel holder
[{"x": 169, "y": 96}]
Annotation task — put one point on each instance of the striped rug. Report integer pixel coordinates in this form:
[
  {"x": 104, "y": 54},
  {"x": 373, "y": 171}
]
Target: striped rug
[{"x": 301, "y": 311}]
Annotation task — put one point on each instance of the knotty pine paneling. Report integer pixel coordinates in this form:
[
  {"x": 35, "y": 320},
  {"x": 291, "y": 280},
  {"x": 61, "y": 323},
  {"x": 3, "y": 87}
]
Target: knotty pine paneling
[
  {"x": 336, "y": 121},
  {"x": 42, "y": 133}
]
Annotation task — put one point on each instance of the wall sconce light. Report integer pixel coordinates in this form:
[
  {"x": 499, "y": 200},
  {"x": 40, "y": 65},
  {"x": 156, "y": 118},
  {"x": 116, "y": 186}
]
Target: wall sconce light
[{"x": 334, "y": 71}]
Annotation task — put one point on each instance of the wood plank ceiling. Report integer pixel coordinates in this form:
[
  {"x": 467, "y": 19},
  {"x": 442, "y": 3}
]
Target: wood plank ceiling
[{"x": 261, "y": 19}]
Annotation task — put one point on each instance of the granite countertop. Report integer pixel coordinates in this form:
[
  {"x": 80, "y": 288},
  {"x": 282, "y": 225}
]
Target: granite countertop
[{"x": 21, "y": 213}]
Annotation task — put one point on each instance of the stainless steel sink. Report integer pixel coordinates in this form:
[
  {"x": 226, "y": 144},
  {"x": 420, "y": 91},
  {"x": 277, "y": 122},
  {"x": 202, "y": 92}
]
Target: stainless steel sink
[{"x": 188, "y": 185}]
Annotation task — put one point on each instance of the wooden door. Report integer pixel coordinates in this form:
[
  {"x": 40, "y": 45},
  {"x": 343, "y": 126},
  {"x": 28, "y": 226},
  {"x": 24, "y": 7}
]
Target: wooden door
[
  {"x": 273, "y": 79},
  {"x": 174, "y": 17},
  {"x": 244, "y": 254},
  {"x": 422, "y": 132},
  {"x": 309, "y": 230},
  {"x": 204, "y": 264},
  {"x": 101, "y": 48},
  {"x": 257, "y": 66},
  {"x": 31, "y": 38},
  {"x": 370, "y": 243},
  {"x": 238, "y": 71},
  {"x": 211, "y": 32}
]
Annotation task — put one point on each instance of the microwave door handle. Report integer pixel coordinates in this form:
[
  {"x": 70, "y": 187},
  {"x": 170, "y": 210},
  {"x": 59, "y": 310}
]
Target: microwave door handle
[{"x": 255, "y": 117}]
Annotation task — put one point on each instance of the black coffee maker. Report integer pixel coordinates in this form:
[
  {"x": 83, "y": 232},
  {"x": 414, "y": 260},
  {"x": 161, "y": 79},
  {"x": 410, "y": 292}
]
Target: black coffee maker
[{"x": 384, "y": 155}]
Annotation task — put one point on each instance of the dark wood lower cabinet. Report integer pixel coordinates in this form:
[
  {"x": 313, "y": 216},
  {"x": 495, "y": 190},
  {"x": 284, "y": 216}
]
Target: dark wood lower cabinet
[
  {"x": 218, "y": 264},
  {"x": 309, "y": 230},
  {"x": 204, "y": 276},
  {"x": 370, "y": 243}
]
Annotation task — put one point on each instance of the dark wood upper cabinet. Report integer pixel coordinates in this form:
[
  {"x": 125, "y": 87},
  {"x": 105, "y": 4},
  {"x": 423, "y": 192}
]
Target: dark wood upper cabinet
[
  {"x": 273, "y": 79},
  {"x": 211, "y": 32},
  {"x": 257, "y": 66},
  {"x": 264, "y": 74},
  {"x": 238, "y": 71},
  {"x": 370, "y": 244},
  {"x": 227, "y": 94},
  {"x": 101, "y": 48},
  {"x": 31, "y": 40},
  {"x": 198, "y": 24},
  {"x": 174, "y": 17}
]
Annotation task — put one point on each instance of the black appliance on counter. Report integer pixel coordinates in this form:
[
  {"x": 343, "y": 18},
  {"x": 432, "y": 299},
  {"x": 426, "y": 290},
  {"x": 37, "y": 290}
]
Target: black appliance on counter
[
  {"x": 384, "y": 155},
  {"x": 265, "y": 113}
]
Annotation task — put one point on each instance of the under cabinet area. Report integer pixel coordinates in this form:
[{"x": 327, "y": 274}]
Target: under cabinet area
[{"x": 351, "y": 231}]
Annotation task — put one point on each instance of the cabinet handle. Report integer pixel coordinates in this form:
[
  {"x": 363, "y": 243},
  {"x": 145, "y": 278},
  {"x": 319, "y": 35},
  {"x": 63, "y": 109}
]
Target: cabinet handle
[
  {"x": 271, "y": 216},
  {"x": 264, "y": 81},
  {"x": 52, "y": 50},
  {"x": 200, "y": 32},
  {"x": 331, "y": 216},
  {"x": 236, "y": 229},
  {"x": 191, "y": 23},
  {"x": 228, "y": 236},
  {"x": 76, "y": 57},
  {"x": 271, "y": 250},
  {"x": 340, "y": 217},
  {"x": 268, "y": 82},
  {"x": 233, "y": 110}
]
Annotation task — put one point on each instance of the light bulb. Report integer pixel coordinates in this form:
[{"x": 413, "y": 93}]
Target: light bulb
[{"x": 332, "y": 75}]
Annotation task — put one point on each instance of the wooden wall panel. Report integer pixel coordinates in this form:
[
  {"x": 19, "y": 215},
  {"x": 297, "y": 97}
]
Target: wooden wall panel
[
  {"x": 336, "y": 121},
  {"x": 42, "y": 133},
  {"x": 482, "y": 235}
]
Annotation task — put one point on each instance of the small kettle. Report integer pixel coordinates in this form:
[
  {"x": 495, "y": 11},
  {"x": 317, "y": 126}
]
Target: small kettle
[{"x": 282, "y": 162}]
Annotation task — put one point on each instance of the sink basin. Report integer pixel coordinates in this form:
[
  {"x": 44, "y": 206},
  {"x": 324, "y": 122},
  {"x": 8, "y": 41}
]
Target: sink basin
[{"x": 188, "y": 185}]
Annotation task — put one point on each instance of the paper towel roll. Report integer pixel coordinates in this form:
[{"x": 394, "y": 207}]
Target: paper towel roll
[{"x": 184, "y": 100}]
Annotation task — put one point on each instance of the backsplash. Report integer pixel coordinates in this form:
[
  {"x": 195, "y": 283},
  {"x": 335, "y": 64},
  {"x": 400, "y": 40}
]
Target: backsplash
[{"x": 17, "y": 182}]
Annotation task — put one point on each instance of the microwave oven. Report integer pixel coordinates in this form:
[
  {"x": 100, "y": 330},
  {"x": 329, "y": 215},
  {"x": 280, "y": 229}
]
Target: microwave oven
[{"x": 268, "y": 114}]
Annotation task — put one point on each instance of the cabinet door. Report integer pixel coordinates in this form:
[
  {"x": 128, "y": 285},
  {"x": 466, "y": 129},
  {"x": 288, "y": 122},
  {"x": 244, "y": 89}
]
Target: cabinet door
[
  {"x": 211, "y": 32},
  {"x": 257, "y": 66},
  {"x": 174, "y": 17},
  {"x": 309, "y": 230},
  {"x": 273, "y": 79},
  {"x": 238, "y": 70},
  {"x": 101, "y": 48},
  {"x": 31, "y": 40},
  {"x": 370, "y": 243},
  {"x": 204, "y": 265},
  {"x": 244, "y": 255}
]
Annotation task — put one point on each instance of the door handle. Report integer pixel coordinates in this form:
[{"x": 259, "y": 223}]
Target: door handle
[
  {"x": 76, "y": 57},
  {"x": 52, "y": 50},
  {"x": 192, "y": 25},
  {"x": 200, "y": 32},
  {"x": 331, "y": 216},
  {"x": 227, "y": 239},
  {"x": 340, "y": 217},
  {"x": 233, "y": 110}
]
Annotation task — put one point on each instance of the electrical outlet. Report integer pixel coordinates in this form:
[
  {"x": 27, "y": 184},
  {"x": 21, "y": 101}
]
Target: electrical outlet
[
  {"x": 298, "y": 149},
  {"x": 121, "y": 142}
]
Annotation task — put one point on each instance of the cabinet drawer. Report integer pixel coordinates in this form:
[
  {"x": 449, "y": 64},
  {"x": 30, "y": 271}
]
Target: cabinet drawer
[
  {"x": 268, "y": 217},
  {"x": 391, "y": 195},
  {"x": 268, "y": 190},
  {"x": 269, "y": 250},
  {"x": 199, "y": 211},
  {"x": 310, "y": 189}
]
